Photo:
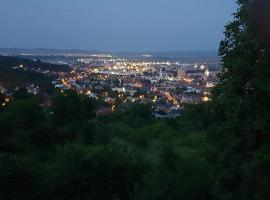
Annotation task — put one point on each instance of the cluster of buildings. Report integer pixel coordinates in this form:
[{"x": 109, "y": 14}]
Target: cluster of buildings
[
  {"x": 7, "y": 95},
  {"x": 45, "y": 72},
  {"x": 7, "y": 90},
  {"x": 167, "y": 86}
]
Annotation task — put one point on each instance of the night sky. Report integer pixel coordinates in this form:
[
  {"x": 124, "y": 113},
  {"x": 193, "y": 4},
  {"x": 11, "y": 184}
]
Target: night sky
[{"x": 114, "y": 25}]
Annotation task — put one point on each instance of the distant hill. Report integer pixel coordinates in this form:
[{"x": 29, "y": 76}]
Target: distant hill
[
  {"x": 167, "y": 54},
  {"x": 173, "y": 54},
  {"x": 16, "y": 52},
  {"x": 11, "y": 77},
  {"x": 15, "y": 61}
]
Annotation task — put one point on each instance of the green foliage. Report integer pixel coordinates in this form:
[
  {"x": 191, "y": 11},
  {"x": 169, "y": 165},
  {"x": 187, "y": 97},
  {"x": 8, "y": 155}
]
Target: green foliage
[
  {"x": 20, "y": 94},
  {"x": 95, "y": 172},
  {"x": 62, "y": 152},
  {"x": 68, "y": 107},
  {"x": 17, "y": 178},
  {"x": 241, "y": 109},
  {"x": 178, "y": 176}
]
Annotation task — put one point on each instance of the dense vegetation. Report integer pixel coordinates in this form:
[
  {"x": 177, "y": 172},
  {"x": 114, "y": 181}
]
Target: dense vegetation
[
  {"x": 218, "y": 150},
  {"x": 71, "y": 154},
  {"x": 241, "y": 106}
]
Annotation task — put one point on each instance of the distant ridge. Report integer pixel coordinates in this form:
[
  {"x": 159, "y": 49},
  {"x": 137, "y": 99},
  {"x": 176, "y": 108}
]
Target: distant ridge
[
  {"x": 173, "y": 54},
  {"x": 15, "y": 51}
]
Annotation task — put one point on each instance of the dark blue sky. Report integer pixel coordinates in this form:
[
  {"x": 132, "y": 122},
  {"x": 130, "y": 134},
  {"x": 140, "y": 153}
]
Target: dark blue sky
[{"x": 114, "y": 25}]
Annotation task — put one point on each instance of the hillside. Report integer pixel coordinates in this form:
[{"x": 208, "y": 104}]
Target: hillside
[
  {"x": 16, "y": 61},
  {"x": 16, "y": 71}
]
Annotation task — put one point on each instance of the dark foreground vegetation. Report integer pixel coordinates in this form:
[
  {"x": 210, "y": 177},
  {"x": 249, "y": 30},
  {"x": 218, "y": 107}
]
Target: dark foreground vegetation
[{"x": 218, "y": 150}]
